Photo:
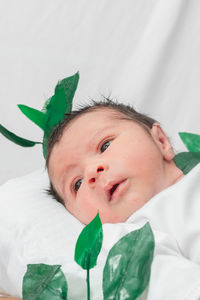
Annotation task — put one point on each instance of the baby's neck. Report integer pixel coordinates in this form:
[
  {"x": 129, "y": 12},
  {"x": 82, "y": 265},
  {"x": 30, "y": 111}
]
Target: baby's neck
[{"x": 175, "y": 174}]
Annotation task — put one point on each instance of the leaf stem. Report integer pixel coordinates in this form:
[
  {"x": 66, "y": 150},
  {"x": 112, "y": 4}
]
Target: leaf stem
[{"x": 88, "y": 284}]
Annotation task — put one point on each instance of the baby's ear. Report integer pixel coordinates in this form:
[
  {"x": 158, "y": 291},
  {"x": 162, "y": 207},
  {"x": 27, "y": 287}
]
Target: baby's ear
[{"x": 162, "y": 142}]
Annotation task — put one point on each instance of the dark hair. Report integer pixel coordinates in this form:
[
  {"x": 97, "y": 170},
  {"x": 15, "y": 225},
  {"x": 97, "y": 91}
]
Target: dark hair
[{"x": 125, "y": 112}]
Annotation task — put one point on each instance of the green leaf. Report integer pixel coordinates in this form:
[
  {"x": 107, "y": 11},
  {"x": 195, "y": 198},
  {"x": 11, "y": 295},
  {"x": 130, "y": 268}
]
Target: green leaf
[
  {"x": 55, "y": 114},
  {"x": 61, "y": 102},
  {"x": 44, "y": 282},
  {"x": 127, "y": 270},
  {"x": 58, "y": 105},
  {"x": 56, "y": 108},
  {"x": 16, "y": 139},
  {"x": 191, "y": 141},
  {"x": 187, "y": 161},
  {"x": 70, "y": 85},
  {"x": 36, "y": 116},
  {"x": 89, "y": 244}
]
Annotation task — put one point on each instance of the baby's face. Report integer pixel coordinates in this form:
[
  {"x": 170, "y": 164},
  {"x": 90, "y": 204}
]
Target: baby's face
[{"x": 108, "y": 165}]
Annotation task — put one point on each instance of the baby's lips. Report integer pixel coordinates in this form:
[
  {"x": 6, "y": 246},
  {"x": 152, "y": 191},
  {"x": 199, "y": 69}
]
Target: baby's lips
[
  {"x": 111, "y": 187},
  {"x": 110, "y": 184}
]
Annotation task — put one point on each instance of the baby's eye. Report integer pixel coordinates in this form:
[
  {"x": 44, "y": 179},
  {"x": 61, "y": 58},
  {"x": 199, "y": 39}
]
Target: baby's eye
[
  {"x": 105, "y": 146},
  {"x": 77, "y": 184}
]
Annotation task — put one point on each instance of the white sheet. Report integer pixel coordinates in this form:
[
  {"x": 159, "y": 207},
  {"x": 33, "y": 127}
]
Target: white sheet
[{"x": 142, "y": 52}]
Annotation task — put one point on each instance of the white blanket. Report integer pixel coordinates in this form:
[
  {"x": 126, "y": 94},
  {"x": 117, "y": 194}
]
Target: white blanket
[{"x": 174, "y": 217}]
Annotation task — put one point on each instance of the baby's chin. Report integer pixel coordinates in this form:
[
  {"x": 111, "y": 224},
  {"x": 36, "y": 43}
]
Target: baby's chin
[
  {"x": 113, "y": 219},
  {"x": 106, "y": 217},
  {"x": 104, "y": 220}
]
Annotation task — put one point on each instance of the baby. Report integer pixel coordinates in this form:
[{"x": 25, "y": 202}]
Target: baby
[{"x": 109, "y": 158}]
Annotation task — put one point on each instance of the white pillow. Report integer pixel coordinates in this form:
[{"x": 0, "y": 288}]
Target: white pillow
[{"x": 34, "y": 228}]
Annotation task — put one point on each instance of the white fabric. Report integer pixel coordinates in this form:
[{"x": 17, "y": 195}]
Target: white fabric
[
  {"x": 144, "y": 52},
  {"x": 174, "y": 217},
  {"x": 36, "y": 229}
]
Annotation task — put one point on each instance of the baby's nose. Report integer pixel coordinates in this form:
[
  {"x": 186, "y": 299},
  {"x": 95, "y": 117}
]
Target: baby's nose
[{"x": 94, "y": 174}]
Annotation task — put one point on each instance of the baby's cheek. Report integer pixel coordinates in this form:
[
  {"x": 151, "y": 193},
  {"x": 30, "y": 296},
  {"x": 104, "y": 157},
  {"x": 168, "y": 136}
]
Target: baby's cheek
[{"x": 85, "y": 205}]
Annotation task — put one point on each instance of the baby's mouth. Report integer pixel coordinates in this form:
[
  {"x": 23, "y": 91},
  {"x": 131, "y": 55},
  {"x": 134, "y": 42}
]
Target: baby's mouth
[
  {"x": 114, "y": 189},
  {"x": 111, "y": 191}
]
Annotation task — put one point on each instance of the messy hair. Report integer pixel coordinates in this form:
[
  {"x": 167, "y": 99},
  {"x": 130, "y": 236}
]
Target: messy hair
[{"x": 124, "y": 112}]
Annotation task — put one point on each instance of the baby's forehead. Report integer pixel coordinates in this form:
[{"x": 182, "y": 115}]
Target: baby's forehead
[
  {"x": 98, "y": 122},
  {"x": 82, "y": 121},
  {"x": 97, "y": 119},
  {"x": 99, "y": 116},
  {"x": 90, "y": 120}
]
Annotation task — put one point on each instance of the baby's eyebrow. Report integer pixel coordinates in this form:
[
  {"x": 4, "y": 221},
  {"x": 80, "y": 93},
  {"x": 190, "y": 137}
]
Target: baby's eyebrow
[{"x": 98, "y": 134}]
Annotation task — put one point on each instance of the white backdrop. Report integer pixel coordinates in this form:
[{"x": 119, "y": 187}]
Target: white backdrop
[{"x": 143, "y": 52}]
